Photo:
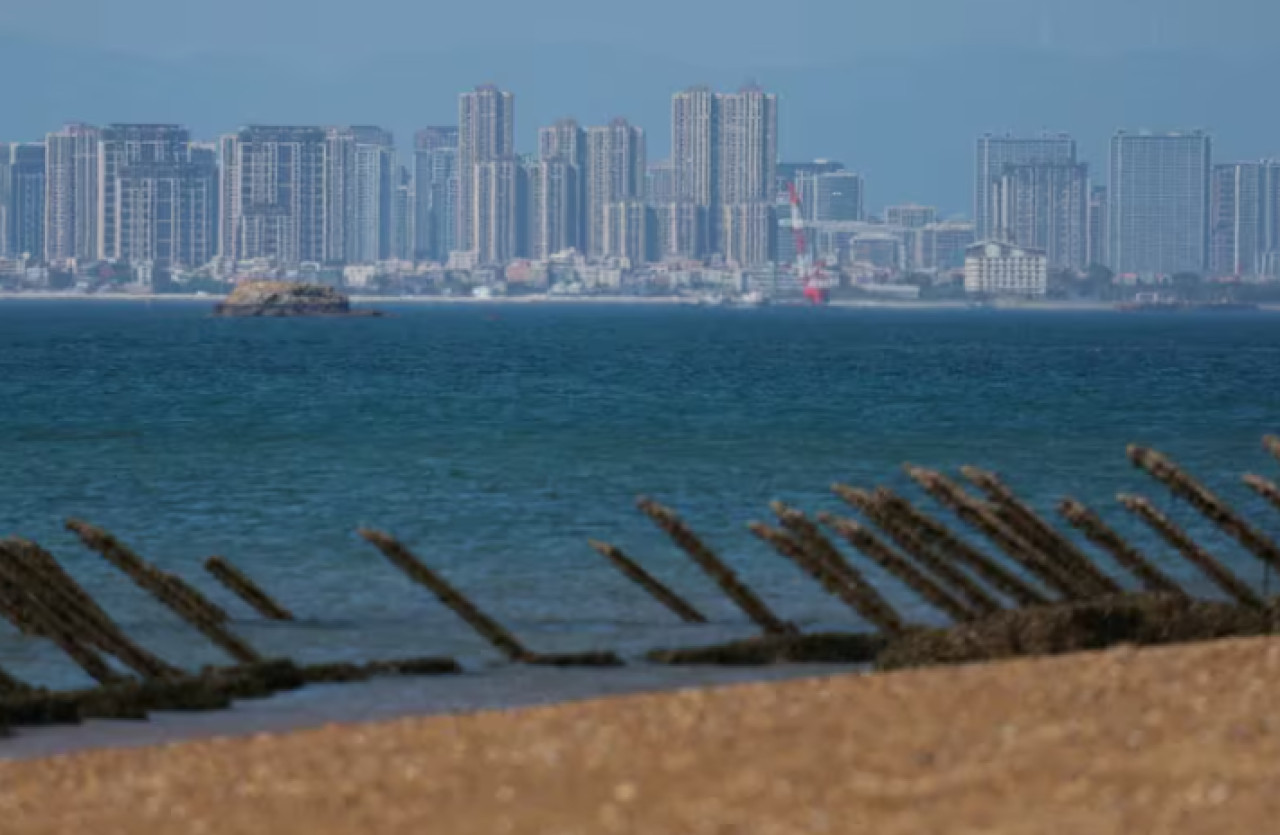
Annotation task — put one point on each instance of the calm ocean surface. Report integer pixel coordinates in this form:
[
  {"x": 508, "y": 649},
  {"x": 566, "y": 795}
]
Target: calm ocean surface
[{"x": 495, "y": 440}]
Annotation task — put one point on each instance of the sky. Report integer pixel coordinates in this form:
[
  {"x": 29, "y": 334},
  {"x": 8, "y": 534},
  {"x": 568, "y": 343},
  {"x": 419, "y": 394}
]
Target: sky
[
  {"x": 742, "y": 31},
  {"x": 897, "y": 89}
]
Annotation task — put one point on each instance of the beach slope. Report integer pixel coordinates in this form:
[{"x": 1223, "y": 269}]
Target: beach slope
[{"x": 1182, "y": 739}]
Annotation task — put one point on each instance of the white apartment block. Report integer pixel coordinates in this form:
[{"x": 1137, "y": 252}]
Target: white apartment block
[{"x": 999, "y": 269}]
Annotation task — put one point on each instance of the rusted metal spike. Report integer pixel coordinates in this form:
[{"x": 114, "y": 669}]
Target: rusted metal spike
[
  {"x": 191, "y": 598},
  {"x": 55, "y": 573},
  {"x": 1272, "y": 444},
  {"x": 14, "y": 609},
  {"x": 162, "y": 586},
  {"x": 53, "y": 624},
  {"x": 404, "y": 559},
  {"x": 975, "y": 598},
  {"x": 1101, "y": 534},
  {"x": 11, "y": 686},
  {"x": 1264, "y": 487},
  {"x": 974, "y": 513},
  {"x": 900, "y": 567},
  {"x": 813, "y": 541},
  {"x": 1194, "y": 554},
  {"x": 831, "y": 581},
  {"x": 658, "y": 590},
  {"x": 949, "y": 545},
  {"x": 1210, "y": 506},
  {"x": 1019, "y": 516},
  {"x": 728, "y": 581},
  {"x": 250, "y": 592},
  {"x": 90, "y": 622}
]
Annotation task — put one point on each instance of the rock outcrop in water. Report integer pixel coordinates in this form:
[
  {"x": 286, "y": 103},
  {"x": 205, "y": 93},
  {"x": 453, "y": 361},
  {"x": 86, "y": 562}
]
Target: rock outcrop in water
[{"x": 287, "y": 298}]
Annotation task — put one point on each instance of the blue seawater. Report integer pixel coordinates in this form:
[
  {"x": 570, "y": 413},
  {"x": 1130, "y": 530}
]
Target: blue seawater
[{"x": 495, "y": 440}]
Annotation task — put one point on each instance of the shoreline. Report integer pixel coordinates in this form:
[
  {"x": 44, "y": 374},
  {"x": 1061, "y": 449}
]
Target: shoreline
[
  {"x": 1017, "y": 746},
  {"x": 1010, "y": 306}
]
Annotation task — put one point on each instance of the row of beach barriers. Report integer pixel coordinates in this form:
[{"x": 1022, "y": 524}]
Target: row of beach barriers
[{"x": 1027, "y": 589}]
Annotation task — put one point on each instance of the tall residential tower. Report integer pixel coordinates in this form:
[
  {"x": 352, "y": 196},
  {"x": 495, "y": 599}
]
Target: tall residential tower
[
  {"x": 994, "y": 153},
  {"x": 487, "y": 174},
  {"x": 1159, "y": 195}
]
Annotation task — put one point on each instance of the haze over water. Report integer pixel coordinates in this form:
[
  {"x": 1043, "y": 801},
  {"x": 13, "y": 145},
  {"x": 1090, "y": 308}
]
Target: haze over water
[{"x": 496, "y": 439}]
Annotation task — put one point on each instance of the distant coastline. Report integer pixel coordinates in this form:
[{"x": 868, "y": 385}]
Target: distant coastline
[{"x": 685, "y": 301}]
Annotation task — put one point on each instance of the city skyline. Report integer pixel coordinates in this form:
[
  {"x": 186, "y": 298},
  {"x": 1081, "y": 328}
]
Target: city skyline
[
  {"x": 907, "y": 115},
  {"x": 470, "y": 196}
]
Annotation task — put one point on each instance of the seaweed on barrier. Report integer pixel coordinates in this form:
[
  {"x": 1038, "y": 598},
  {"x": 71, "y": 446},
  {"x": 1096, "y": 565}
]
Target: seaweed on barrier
[
  {"x": 181, "y": 599},
  {"x": 949, "y": 546},
  {"x": 1161, "y": 468},
  {"x": 980, "y": 517},
  {"x": 250, "y": 592},
  {"x": 1027, "y": 523},
  {"x": 833, "y": 583},
  {"x": 1265, "y": 488},
  {"x": 723, "y": 576},
  {"x": 1194, "y": 554},
  {"x": 1102, "y": 535},
  {"x": 658, "y": 590},
  {"x": 485, "y": 626},
  {"x": 828, "y": 648},
  {"x": 868, "y": 602},
  {"x": 1139, "y": 619},
  {"x": 87, "y": 621},
  {"x": 900, "y": 567},
  {"x": 973, "y": 597}
]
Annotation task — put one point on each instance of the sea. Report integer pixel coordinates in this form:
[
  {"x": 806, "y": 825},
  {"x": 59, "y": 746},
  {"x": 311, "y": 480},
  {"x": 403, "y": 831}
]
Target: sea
[{"x": 495, "y": 440}]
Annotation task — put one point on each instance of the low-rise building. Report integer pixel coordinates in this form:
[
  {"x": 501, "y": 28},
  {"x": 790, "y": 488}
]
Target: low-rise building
[{"x": 994, "y": 268}]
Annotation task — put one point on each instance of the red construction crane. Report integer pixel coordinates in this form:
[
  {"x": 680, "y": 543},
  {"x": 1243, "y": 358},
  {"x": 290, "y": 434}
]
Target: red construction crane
[{"x": 807, "y": 270}]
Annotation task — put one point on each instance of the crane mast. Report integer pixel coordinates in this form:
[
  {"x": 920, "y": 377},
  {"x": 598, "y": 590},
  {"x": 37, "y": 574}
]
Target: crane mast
[{"x": 809, "y": 273}]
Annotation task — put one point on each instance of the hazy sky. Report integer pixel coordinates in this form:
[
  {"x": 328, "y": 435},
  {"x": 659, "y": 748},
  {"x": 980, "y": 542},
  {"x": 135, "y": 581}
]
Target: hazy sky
[
  {"x": 895, "y": 88},
  {"x": 759, "y": 32}
]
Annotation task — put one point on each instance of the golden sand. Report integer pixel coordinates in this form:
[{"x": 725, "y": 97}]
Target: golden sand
[{"x": 1183, "y": 740}]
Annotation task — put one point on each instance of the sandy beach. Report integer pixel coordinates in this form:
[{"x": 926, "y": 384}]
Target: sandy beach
[{"x": 1180, "y": 740}]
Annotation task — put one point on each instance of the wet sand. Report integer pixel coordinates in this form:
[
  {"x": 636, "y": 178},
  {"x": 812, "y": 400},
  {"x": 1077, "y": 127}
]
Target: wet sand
[{"x": 1181, "y": 740}]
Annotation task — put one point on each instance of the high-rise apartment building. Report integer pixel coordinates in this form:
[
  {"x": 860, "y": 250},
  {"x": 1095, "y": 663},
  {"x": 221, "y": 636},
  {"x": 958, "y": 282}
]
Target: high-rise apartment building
[
  {"x": 6, "y": 166},
  {"x": 942, "y": 246},
  {"x": 994, "y": 153},
  {"x": 724, "y": 152},
  {"x": 1244, "y": 224},
  {"x": 910, "y": 216},
  {"x": 165, "y": 213},
  {"x": 339, "y": 194},
  {"x": 695, "y": 146},
  {"x": 566, "y": 141},
  {"x": 661, "y": 186},
  {"x": 122, "y": 145},
  {"x": 71, "y": 194},
  {"x": 26, "y": 217},
  {"x": 495, "y": 219},
  {"x": 1044, "y": 206},
  {"x": 1098, "y": 226},
  {"x": 838, "y": 196},
  {"x": 486, "y": 134},
  {"x": 792, "y": 173},
  {"x": 1159, "y": 195},
  {"x": 748, "y": 137},
  {"x": 371, "y": 207},
  {"x": 747, "y": 231},
  {"x": 626, "y": 231},
  {"x": 403, "y": 217},
  {"x": 554, "y": 211},
  {"x": 615, "y": 174},
  {"x": 273, "y": 202},
  {"x": 680, "y": 231},
  {"x": 435, "y": 185}
]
